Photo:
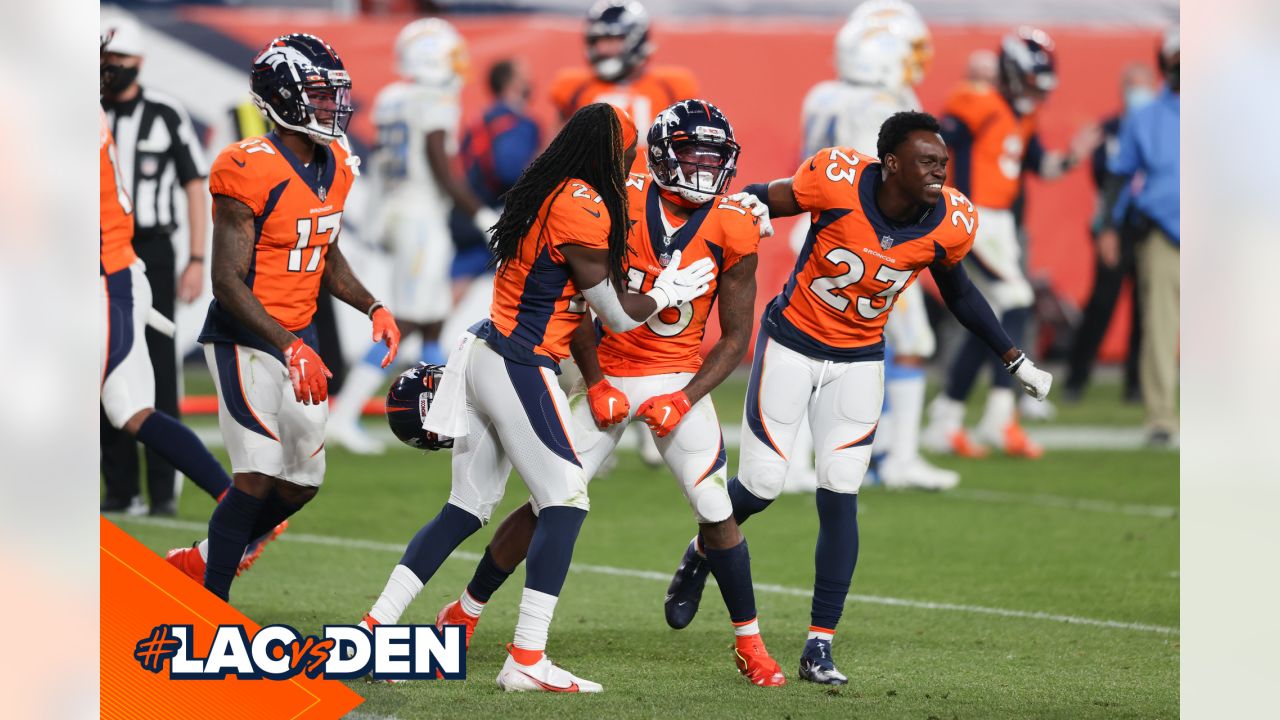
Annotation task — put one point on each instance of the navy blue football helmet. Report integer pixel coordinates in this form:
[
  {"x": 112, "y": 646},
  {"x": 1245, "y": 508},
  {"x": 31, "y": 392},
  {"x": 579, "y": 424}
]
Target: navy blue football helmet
[
  {"x": 299, "y": 82},
  {"x": 692, "y": 153},
  {"x": 1028, "y": 70},
  {"x": 407, "y": 404},
  {"x": 624, "y": 19}
]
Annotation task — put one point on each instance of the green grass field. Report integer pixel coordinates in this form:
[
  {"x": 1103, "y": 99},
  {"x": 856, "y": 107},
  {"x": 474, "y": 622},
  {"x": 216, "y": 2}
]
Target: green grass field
[{"x": 1036, "y": 590}]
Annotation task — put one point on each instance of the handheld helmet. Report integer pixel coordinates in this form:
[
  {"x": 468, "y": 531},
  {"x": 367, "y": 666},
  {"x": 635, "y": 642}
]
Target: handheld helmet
[
  {"x": 625, "y": 19},
  {"x": 692, "y": 153},
  {"x": 299, "y": 82},
  {"x": 885, "y": 63},
  {"x": 431, "y": 52},
  {"x": 408, "y": 400},
  {"x": 1027, "y": 67}
]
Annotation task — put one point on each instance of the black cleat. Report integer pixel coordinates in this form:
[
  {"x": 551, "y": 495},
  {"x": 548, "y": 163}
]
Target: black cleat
[
  {"x": 685, "y": 591},
  {"x": 817, "y": 666}
]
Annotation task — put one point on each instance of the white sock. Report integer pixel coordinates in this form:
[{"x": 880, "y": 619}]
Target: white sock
[
  {"x": 946, "y": 414},
  {"x": 362, "y": 382},
  {"x": 751, "y": 627},
  {"x": 470, "y": 605},
  {"x": 402, "y": 587},
  {"x": 821, "y": 635},
  {"x": 906, "y": 397},
  {"x": 999, "y": 411},
  {"x": 203, "y": 547},
  {"x": 536, "y": 609}
]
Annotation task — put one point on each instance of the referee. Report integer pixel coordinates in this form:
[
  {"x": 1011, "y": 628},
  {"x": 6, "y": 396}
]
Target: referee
[{"x": 158, "y": 155}]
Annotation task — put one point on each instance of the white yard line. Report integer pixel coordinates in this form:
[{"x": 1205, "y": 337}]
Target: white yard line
[
  {"x": 1061, "y": 501},
  {"x": 377, "y": 546}
]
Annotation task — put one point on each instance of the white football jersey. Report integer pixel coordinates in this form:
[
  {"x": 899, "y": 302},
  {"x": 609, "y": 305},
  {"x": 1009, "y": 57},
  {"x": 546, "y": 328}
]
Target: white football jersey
[
  {"x": 404, "y": 113},
  {"x": 838, "y": 113}
]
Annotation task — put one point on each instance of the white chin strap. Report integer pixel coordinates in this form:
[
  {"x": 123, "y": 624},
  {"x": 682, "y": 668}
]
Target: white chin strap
[{"x": 609, "y": 67}]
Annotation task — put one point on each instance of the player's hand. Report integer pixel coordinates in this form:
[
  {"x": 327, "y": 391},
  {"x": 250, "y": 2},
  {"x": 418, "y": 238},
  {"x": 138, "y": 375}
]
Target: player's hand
[
  {"x": 1035, "y": 382},
  {"x": 191, "y": 282},
  {"x": 1086, "y": 140},
  {"x": 484, "y": 219},
  {"x": 308, "y": 374},
  {"x": 663, "y": 412},
  {"x": 385, "y": 329},
  {"x": 759, "y": 210},
  {"x": 609, "y": 405},
  {"x": 676, "y": 286},
  {"x": 1109, "y": 247}
]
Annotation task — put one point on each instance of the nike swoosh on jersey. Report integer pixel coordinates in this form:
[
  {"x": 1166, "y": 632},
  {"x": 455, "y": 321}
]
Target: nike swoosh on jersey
[
  {"x": 572, "y": 687},
  {"x": 593, "y": 212}
]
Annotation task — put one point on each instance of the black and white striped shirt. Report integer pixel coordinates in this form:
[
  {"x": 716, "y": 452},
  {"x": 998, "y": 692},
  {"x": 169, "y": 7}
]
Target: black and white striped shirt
[{"x": 158, "y": 152}]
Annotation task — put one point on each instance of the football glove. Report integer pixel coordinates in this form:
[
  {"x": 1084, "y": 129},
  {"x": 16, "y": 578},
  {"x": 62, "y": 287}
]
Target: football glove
[
  {"x": 608, "y": 404},
  {"x": 484, "y": 219},
  {"x": 386, "y": 330},
  {"x": 676, "y": 286},
  {"x": 308, "y": 374},
  {"x": 759, "y": 210},
  {"x": 663, "y": 412},
  {"x": 1035, "y": 382}
]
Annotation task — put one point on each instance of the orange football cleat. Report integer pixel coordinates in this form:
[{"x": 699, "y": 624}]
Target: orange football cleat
[
  {"x": 753, "y": 661},
  {"x": 255, "y": 548},
  {"x": 453, "y": 614},
  {"x": 1017, "y": 444},
  {"x": 964, "y": 446},
  {"x": 187, "y": 560}
]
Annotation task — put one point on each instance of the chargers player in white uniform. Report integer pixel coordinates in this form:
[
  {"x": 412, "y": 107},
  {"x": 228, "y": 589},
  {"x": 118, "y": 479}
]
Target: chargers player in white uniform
[
  {"x": 881, "y": 52},
  {"x": 417, "y": 117}
]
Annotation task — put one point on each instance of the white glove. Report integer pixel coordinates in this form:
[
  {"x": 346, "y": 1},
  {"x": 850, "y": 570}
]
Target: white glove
[
  {"x": 759, "y": 210},
  {"x": 485, "y": 218},
  {"x": 1035, "y": 382},
  {"x": 676, "y": 286}
]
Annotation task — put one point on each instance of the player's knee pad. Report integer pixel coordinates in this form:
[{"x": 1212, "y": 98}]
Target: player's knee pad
[
  {"x": 709, "y": 499},
  {"x": 482, "y": 509},
  {"x": 842, "y": 471},
  {"x": 763, "y": 479}
]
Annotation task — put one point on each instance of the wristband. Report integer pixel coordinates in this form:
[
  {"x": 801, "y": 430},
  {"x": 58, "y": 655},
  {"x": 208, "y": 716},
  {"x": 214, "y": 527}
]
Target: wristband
[
  {"x": 195, "y": 259},
  {"x": 1016, "y": 363},
  {"x": 374, "y": 307}
]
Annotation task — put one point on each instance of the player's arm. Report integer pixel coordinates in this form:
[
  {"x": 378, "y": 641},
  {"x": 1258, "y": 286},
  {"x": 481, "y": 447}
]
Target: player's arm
[
  {"x": 341, "y": 282},
  {"x": 582, "y": 346},
  {"x": 968, "y": 305},
  {"x": 1051, "y": 164},
  {"x": 778, "y": 196},
  {"x": 608, "y": 404},
  {"x": 232, "y": 255},
  {"x": 463, "y": 198},
  {"x": 622, "y": 311},
  {"x": 736, "y": 296}
]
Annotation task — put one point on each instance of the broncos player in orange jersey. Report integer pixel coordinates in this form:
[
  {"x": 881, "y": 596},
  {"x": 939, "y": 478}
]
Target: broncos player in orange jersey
[
  {"x": 618, "y": 49},
  {"x": 561, "y": 243},
  {"x": 656, "y": 372},
  {"x": 278, "y": 202},
  {"x": 876, "y": 224}
]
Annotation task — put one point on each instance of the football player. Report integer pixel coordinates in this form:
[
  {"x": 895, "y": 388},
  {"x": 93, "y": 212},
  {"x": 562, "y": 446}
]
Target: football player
[
  {"x": 876, "y": 225},
  {"x": 656, "y": 372},
  {"x": 417, "y": 119},
  {"x": 561, "y": 244},
  {"x": 127, "y": 383},
  {"x": 991, "y": 132},
  {"x": 277, "y": 202},
  {"x": 881, "y": 53}
]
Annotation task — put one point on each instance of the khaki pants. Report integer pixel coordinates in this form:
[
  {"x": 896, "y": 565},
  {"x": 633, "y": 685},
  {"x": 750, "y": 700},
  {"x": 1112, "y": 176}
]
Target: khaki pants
[{"x": 1158, "y": 283}]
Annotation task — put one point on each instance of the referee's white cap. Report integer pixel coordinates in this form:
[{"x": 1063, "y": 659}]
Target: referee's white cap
[{"x": 127, "y": 39}]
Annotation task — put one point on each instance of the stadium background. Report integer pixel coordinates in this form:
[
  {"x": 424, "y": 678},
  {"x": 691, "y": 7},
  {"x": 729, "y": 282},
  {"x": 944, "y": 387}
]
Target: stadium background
[{"x": 755, "y": 59}]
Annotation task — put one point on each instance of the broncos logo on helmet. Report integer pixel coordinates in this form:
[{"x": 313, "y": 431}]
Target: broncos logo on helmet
[
  {"x": 692, "y": 154},
  {"x": 299, "y": 82},
  {"x": 408, "y": 401}
]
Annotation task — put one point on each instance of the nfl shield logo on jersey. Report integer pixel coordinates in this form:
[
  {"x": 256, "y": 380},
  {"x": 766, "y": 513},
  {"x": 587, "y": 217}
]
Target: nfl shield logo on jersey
[
  {"x": 886, "y": 242},
  {"x": 321, "y": 193}
]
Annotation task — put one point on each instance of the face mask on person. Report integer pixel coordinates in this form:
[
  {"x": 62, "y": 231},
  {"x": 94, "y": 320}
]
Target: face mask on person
[
  {"x": 121, "y": 77},
  {"x": 1137, "y": 96}
]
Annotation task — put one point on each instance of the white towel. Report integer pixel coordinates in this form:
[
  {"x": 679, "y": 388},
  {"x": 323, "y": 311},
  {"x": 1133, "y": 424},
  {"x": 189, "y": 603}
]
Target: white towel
[{"x": 448, "y": 414}]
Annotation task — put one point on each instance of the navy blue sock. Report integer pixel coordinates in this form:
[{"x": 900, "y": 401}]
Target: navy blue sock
[
  {"x": 487, "y": 578},
  {"x": 230, "y": 529},
  {"x": 552, "y": 548},
  {"x": 437, "y": 539},
  {"x": 1015, "y": 326},
  {"x": 965, "y": 367},
  {"x": 274, "y": 511},
  {"x": 834, "y": 557},
  {"x": 175, "y": 442},
  {"x": 732, "y": 570},
  {"x": 744, "y": 503}
]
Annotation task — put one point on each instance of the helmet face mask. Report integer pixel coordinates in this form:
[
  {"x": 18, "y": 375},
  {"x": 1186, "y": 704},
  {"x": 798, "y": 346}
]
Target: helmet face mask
[
  {"x": 617, "y": 38},
  {"x": 1027, "y": 68},
  {"x": 692, "y": 153},
  {"x": 299, "y": 83}
]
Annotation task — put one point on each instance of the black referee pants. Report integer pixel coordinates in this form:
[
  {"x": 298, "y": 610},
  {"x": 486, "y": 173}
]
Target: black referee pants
[{"x": 120, "y": 468}]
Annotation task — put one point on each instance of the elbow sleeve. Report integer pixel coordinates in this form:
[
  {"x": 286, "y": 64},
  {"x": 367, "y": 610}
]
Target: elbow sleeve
[{"x": 603, "y": 299}]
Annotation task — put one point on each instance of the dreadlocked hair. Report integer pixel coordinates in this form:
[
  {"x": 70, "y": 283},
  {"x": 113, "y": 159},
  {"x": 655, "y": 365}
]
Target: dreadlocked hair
[{"x": 588, "y": 148}]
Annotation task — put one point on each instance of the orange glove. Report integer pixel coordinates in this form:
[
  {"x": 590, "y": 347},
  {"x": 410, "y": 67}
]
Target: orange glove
[
  {"x": 308, "y": 374},
  {"x": 663, "y": 412},
  {"x": 608, "y": 404},
  {"x": 385, "y": 328}
]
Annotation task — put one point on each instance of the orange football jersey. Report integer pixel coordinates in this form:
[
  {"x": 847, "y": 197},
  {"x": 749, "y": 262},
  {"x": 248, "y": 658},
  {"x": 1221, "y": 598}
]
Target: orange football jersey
[
  {"x": 643, "y": 96},
  {"x": 298, "y": 215},
  {"x": 671, "y": 341},
  {"x": 536, "y": 306},
  {"x": 115, "y": 209},
  {"x": 988, "y": 164},
  {"x": 855, "y": 261}
]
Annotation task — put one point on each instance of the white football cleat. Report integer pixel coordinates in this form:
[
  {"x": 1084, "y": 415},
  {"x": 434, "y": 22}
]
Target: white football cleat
[
  {"x": 542, "y": 676},
  {"x": 353, "y": 437},
  {"x": 916, "y": 473}
]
